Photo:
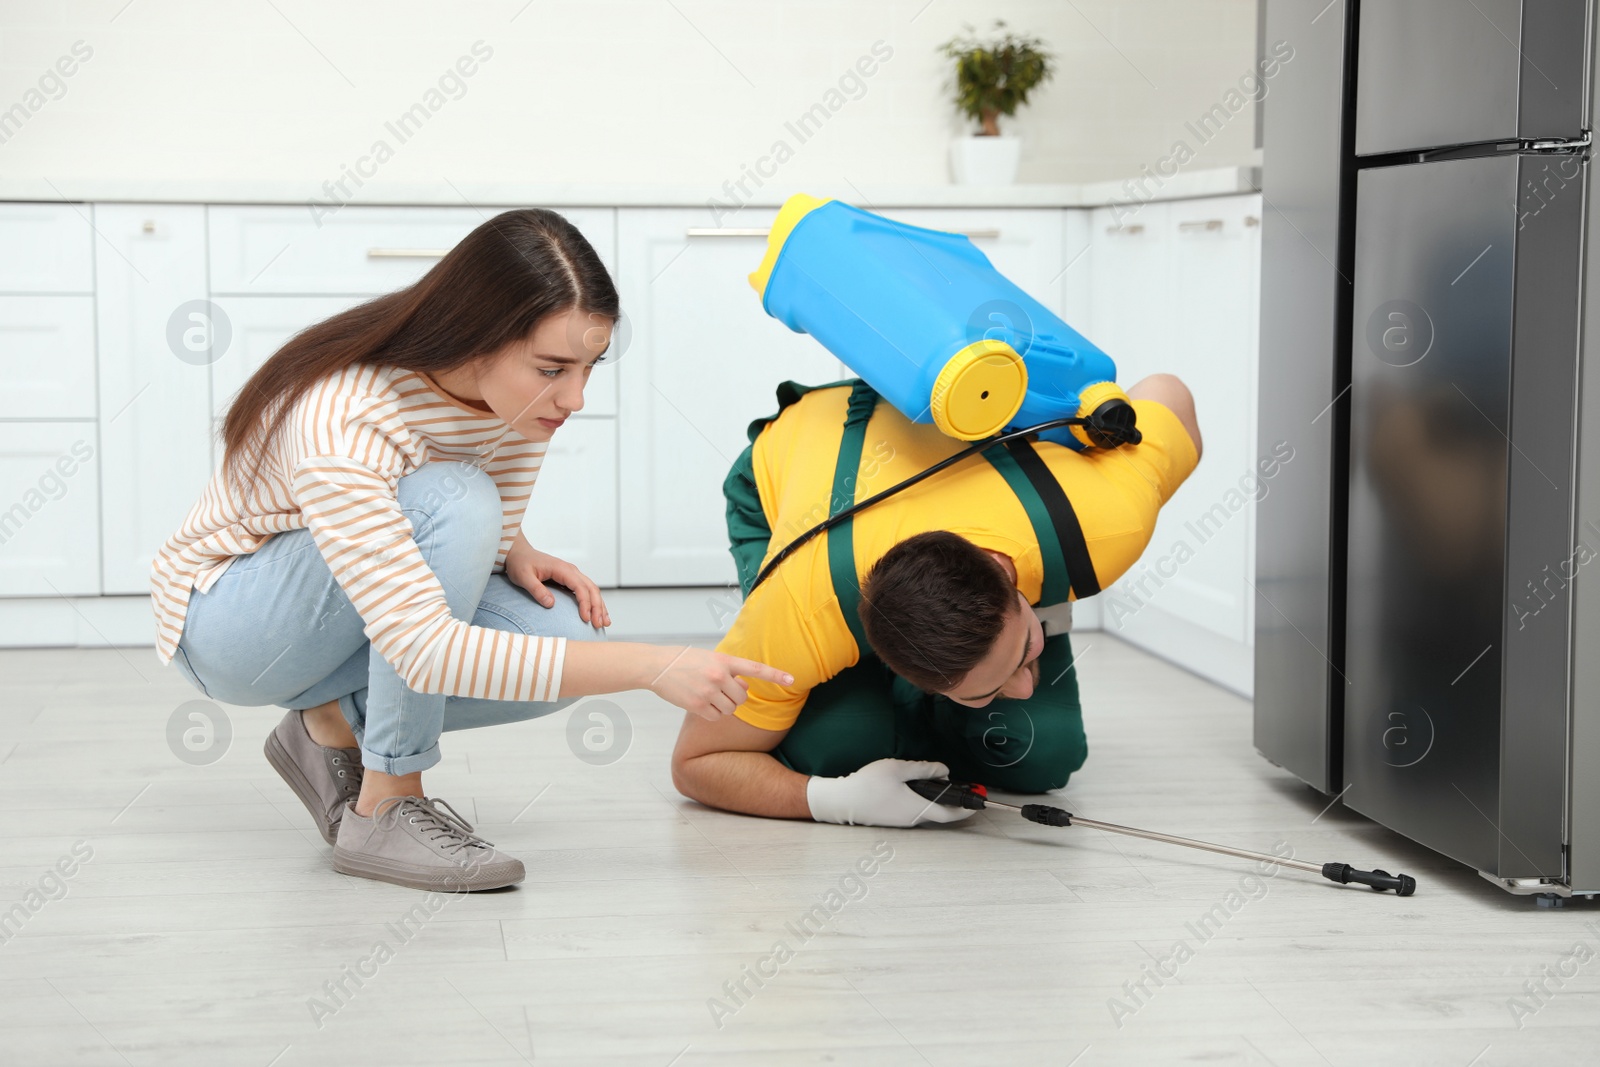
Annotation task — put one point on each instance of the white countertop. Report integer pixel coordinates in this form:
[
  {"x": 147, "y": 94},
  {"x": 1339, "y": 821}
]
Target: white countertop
[{"x": 1218, "y": 181}]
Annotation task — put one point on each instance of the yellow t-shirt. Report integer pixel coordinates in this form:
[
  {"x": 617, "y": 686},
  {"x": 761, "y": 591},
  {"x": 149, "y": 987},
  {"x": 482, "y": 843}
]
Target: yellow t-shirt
[{"x": 793, "y": 621}]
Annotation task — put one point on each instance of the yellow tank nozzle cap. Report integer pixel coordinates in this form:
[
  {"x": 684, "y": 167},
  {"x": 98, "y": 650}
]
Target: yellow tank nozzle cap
[
  {"x": 1090, "y": 399},
  {"x": 789, "y": 215},
  {"x": 979, "y": 390}
]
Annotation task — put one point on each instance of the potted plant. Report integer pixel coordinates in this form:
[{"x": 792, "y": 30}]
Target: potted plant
[{"x": 992, "y": 78}]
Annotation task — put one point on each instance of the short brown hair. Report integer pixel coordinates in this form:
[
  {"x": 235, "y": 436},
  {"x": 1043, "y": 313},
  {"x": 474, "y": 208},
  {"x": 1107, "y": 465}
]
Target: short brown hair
[{"x": 933, "y": 606}]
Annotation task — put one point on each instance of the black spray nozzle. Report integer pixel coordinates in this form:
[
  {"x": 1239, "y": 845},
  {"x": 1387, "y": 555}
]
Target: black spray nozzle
[{"x": 1403, "y": 884}]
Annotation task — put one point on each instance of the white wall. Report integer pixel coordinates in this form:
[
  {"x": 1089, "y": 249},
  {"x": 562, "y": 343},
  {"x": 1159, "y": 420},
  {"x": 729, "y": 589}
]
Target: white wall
[{"x": 678, "y": 91}]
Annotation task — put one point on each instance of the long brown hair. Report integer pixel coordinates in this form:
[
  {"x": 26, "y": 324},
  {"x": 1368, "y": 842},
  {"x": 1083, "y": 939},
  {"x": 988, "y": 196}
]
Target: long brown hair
[{"x": 493, "y": 288}]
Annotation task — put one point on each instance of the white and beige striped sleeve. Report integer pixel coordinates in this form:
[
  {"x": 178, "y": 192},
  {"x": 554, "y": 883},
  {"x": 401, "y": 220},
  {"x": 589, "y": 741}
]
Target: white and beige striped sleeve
[{"x": 345, "y": 465}]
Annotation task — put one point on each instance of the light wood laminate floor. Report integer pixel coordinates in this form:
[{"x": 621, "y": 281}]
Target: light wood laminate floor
[{"x": 203, "y": 924}]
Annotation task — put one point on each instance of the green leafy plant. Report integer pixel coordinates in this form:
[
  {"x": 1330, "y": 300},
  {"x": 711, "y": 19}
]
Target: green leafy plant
[{"x": 994, "y": 77}]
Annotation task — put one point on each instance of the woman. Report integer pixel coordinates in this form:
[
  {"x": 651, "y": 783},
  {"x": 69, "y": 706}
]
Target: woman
[{"x": 358, "y": 558}]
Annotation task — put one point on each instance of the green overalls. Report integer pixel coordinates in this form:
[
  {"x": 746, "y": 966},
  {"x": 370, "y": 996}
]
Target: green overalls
[{"x": 867, "y": 712}]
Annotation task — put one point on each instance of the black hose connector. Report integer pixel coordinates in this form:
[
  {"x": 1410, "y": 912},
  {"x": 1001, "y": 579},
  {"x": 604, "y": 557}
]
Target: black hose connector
[
  {"x": 1112, "y": 424},
  {"x": 950, "y": 794},
  {"x": 1045, "y": 815},
  {"x": 1403, "y": 884}
]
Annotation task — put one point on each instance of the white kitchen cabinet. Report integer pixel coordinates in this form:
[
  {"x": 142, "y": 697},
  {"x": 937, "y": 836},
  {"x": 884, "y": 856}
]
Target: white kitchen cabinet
[
  {"x": 47, "y": 357},
  {"x": 46, "y": 248},
  {"x": 365, "y": 251},
  {"x": 1180, "y": 296},
  {"x": 50, "y": 525},
  {"x": 155, "y": 398},
  {"x": 573, "y": 511},
  {"x": 705, "y": 361},
  {"x": 1130, "y": 298}
]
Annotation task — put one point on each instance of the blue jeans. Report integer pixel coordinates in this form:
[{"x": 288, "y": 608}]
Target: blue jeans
[{"x": 277, "y": 628}]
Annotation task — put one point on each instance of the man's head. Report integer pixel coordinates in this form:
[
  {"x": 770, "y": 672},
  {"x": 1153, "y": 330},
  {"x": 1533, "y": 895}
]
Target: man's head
[{"x": 946, "y": 616}]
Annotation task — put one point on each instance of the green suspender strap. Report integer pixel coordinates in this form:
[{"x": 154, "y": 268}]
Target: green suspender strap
[
  {"x": 841, "y": 538},
  {"x": 1063, "y": 553}
]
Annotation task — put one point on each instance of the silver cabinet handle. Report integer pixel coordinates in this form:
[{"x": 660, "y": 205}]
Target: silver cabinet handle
[
  {"x": 733, "y": 231},
  {"x": 1208, "y": 226},
  {"x": 406, "y": 253},
  {"x": 1129, "y": 230},
  {"x": 1251, "y": 221}
]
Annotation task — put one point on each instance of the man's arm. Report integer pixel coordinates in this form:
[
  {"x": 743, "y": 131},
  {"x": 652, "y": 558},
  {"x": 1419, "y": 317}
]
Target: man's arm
[{"x": 728, "y": 764}]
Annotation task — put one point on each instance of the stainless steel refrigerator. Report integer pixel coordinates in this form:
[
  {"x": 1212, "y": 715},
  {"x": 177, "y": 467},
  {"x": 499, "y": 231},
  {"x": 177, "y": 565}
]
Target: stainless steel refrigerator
[{"x": 1428, "y": 573}]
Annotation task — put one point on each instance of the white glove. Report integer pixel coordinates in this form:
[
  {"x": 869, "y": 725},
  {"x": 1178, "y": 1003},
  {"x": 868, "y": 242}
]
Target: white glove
[{"x": 877, "y": 795}]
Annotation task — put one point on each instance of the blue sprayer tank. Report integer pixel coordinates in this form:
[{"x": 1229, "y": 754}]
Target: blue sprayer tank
[{"x": 927, "y": 321}]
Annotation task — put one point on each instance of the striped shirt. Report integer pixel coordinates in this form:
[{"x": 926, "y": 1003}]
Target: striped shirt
[{"x": 333, "y": 468}]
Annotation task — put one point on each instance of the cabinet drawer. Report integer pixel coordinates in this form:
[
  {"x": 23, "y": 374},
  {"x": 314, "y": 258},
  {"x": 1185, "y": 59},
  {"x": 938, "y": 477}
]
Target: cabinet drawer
[
  {"x": 278, "y": 249},
  {"x": 46, "y": 248},
  {"x": 49, "y": 509},
  {"x": 47, "y": 357}
]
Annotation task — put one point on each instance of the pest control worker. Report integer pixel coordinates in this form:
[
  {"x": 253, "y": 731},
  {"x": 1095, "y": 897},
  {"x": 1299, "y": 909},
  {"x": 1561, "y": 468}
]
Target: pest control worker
[{"x": 925, "y": 633}]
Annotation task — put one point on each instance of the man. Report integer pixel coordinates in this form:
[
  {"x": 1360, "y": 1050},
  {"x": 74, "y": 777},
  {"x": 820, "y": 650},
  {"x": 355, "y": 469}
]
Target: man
[{"x": 913, "y": 630}]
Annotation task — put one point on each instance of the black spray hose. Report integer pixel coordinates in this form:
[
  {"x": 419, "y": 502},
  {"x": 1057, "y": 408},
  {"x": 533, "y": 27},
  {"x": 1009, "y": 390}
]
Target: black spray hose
[{"x": 961, "y": 795}]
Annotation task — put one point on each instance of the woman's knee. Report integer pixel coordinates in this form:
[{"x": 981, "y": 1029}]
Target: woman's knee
[
  {"x": 457, "y": 494},
  {"x": 507, "y": 606}
]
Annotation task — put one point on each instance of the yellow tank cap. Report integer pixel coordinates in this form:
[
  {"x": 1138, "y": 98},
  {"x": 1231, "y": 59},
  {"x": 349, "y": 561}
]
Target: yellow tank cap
[
  {"x": 793, "y": 210},
  {"x": 1092, "y": 397},
  {"x": 978, "y": 390}
]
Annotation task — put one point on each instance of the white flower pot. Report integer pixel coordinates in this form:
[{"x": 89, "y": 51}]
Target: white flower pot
[{"x": 985, "y": 160}]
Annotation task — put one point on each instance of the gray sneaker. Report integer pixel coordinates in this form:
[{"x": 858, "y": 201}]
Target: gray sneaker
[
  {"x": 420, "y": 842},
  {"x": 325, "y": 779}
]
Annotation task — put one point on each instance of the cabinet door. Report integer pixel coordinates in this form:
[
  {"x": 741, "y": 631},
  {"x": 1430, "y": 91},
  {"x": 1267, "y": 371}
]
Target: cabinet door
[
  {"x": 1215, "y": 294},
  {"x": 705, "y": 360},
  {"x": 50, "y": 525},
  {"x": 155, "y": 332},
  {"x": 1190, "y": 309},
  {"x": 573, "y": 511},
  {"x": 1130, "y": 287},
  {"x": 47, "y": 357},
  {"x": 257, "y": 326},
  {"x": 46, "y": 248}
]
